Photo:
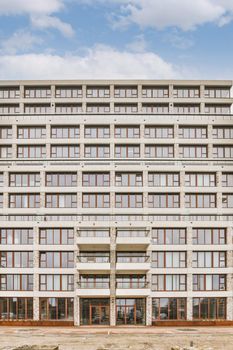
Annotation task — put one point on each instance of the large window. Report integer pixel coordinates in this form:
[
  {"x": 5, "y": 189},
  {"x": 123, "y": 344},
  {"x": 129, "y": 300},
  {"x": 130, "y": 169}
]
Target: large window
[
  {"x": 159, "y": 132},
  {"x": 168, "y": 259},
  {"x": 217, "y": 92},
  {"x": 94, "y": 257},
  {"x": 131, "y": 257},
  {"x": 9, "y": 92},
  {"x": 57, "y": 309},
  {"x": 56, "y": 282},
  {"x": 58, "y": 200},
  {"x": 209, "y": 308},
  {"x": 57, "y": 259},
  {"x": 163, "y": 200},
  {"x": 169, "y": 236},
  {"x": 168, "y": 283},
  {"x": 193, "y": 151},
  {"x": 16, "y": 259},
  {"x": 98, "y": 91},
  {"x": 223, "y": 151},
  {"x": 200, "y": 200},
  {"x": 227, "y": 179},
  {"x": 158, "y": 108},
  {"x": 209, "y": 236},
  {"x": 131, "y": 281},
  {"x": 168, "y": 309},
  {"x": 227, "y": 200},
  {"x": 66, "y": 151},
  {"x": 127, "y": 132},
  {"x": 94, "y": 281},
  {"x": 217, "y": 109},
  {"x": 222, "y": 132},
  {"x": 193, "y": 132},
  {"x": 96, "y": 200},
  {"x": 5, "y": 151},
  {"x": 154, "y": 91},
  {"x": 37, "y": 109},
  {"x": 5, "y": 132},
  {"x": 61, "y": 179},
  {"x": 29, "y": 200},
  {"x": 9, "y": 109},
  {"x": 132, "y": 200},
  {"x": 68, "y": 108},
  {"x": 209, "y": 259},
  {"x": 31, "y": 132},
  {"x": 128, "y": 179},
  {"x": 31, "y": 151},
  {"x": 37, "y": 92},
  {"x": 16, "y": 236},
  {"x": 64, "y": 132},
  {"x": 94, "y": 151},
  {"x": 159, "y": 151},
  {"x": 94, "y": 311},
  {"x": 97, "y": 132},
  {"x": 186, "y": 109},
  {"x": 163, "y": 179},
  {"x": 24, "y": 179},
  {"x": 186, "y": 92},
  {"x": 56, "y": 236},
  {"x": 16, "y": 282},
  {"x": 200, "y": 179},
  {"x": 98, "y": 108},
  {"x": 209, "y": 282},
  {"x": 16, "y": 308},
  {"x": 125, "y": 91},
  {"x": 96, "y": 179},
  {"x": 127, "y": 151},
  {"x": 126, "y": 108},
  {"x": 69, "y": 91},
  {"x": 131, "y": 311}
]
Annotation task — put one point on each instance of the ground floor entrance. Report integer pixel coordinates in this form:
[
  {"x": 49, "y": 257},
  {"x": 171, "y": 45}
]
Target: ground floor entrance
[
  {"x": 94, "y": 311},
  {"x": 131, "y": 311}
]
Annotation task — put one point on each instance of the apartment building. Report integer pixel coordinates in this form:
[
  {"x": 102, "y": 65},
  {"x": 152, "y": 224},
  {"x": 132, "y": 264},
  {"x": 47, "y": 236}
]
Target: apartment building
[{"x": 116, "y": 202}]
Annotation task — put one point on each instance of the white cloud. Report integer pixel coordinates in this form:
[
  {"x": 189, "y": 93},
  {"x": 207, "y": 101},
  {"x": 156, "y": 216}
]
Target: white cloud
[
  {"x": 100, "y": 62},
  {"x": 20, "y": 41},
  {"x": 44, "y": 22}
]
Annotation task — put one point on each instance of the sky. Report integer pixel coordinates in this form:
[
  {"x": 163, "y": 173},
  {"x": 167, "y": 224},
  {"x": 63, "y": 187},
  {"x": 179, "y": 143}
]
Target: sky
[{"x": 116, "y": 39}]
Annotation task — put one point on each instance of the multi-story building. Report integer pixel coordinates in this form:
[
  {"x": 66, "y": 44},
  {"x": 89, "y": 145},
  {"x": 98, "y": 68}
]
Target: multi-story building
[{"x": 116, "y": 202}]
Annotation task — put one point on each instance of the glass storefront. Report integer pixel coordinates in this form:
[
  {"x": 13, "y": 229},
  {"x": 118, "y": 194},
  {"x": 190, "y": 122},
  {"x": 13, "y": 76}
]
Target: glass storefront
[
  {"x": 168, "y": 309},
  {"x": 94, "y": 311},
  {"x": 209, "y": 308},
  {"x": 57, "y": 309},
  {"x": 131, "y": 311},
  {"x": 16, "y": 308}
]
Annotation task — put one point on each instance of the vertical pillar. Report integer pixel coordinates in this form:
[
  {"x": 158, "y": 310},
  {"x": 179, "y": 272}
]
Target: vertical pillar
[
  {"x": 112, "y": 276},
  {"x": 229, "y": 313},
  {"x": 76, "y": 311},
  {"x": 189, "y": 275},
  {"x": 36, "y": 308},
  {"x": 149, "y": 311}
]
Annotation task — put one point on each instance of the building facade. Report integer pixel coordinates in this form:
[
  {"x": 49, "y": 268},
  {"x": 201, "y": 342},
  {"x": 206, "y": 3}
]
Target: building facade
[{"x": 116, "y": 202}]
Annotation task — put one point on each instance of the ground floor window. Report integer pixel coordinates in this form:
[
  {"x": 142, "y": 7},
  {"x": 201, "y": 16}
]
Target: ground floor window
[
  {"x": 16, "y": 308},
  {"x": 94, "y": 311},
  {"x": 57, "y": 309},
  {"x": 131, "y": 311},
  {"x": 209, "y": 308},
  {"x": 168, "y": 309}
]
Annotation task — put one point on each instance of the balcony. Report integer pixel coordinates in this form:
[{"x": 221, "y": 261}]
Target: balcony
[
  {"x": 93, "y": 289},
  {"x": 98, "y": 237},
  {"x": 141, "y": 238},
  {"x": 132, "y": 262},
  {"x": 93, "y": 262},
  {"x": 132, "y": 288}
]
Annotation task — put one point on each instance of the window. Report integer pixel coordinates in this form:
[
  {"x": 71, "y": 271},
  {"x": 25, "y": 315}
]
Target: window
[
  {"x": 98, "y": 108},
  {"x": 96, "y": 179},
  {"x": 209, "y": 308},
  {"x": 94, "y": 257},
  {"x": 65, "y": 151},
  {"x": 209, "y": 282},
  {"x": 223, "y": 151},
  {"x": 57, "y": 259},
  {"x": 16, "y": 308},
  {"x": 127, "y": 132},
  {"x": 96, "y": 200},
  {"x": 94, "y": 281},
  {"x": 16, "y": 236},
  {"x": 127, "y": 151},
  {"x": 37, "y": 92},
  {"x": 194, "y": 200},
  {"x": 131, "y": 281},
  {"x": 35, "y": 132},
  {"x": 227, "y": 179},
  {"x": 194, "y": 132},
  {"x": 5, "y": 151},
  {"x": 16, "y": 259},
  {"x": 152, "y": 108},
  {"x": 168, "y": 309},
  {"x": 169, "y": 236},
  {"x": 168, "y": 283},
  {"x": 128, "y": 179},
  {"x": 98, "y": 91},
  {"x": 209, "y": 236},
  {"x": 227, "y": 200},
  {"x": 159, "y": 151},
  {"x": 27, "y": 200},
  {"x": 57, "y": 309},
  {"x": 131, "y": 257},
  {"x": 186, "y": 92},
  {"x": 186, "y": 109},
  {"x": 5, "y": 132},
  {"x": 132, "y": 233},
  {"x": 93, "y": 233},
  {"x": 64, "y": 132},
  {"x": 1, "y": 200},
  {"x": 24, "y": 180},
  {"x": 168, "y": 259},
  {"x": 159, "y": 132},
  {"x": 56, "y": 282},
  {"x": 209, "y": 259},
  {"x": 125, "y": 108},
  {"x": 9, "y": 92},
  {"x": 125, "y": 91},
  {"x": 68, "y": 91},
  {"x": 31, "y": 151},
  {"x": 163, "y": 200},
  {"x": 97, "y": 132},
  {"x": 186, "y": 151},
  {"x": 16, "y": 282},
  {"x": 68, "y": 108},
  {"x": 1, "y": 180},
  {"x": 58, "y": 200},
  {"x": 163, "y": 179},
  {"x": 222, "y": 132},
  {"x": 56, "y": 236},
  {"x": 217, "y": 109},
  {"x": 9, "y": 109},
  {"x": 37, "y": 109},
  {"x": 97, "y": 151},
  {"x": 154, "y": 91},
  {"x": 131, "y": 200},
  {"x": 61, "y": 179},
  {"x": 217, "y": 92},
  {"x": 200, "y": 180}
]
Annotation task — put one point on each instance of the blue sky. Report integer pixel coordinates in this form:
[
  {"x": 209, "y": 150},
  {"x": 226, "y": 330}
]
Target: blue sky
[{"x": 94, "y": 39}]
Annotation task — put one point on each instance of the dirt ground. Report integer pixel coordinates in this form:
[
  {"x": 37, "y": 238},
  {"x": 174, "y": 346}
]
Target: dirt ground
[{"x": 143, "y": 338}]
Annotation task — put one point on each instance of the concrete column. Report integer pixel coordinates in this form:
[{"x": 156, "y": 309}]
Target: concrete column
[
  {"x": 76, "y": 311},
  {"x": 189, "y": 275},
  {"x": 112, "y": 276},
  {"x": 36, "y": 308},
  {"x": 148, "y": 311},
  {"x": 53, "y": 96}
]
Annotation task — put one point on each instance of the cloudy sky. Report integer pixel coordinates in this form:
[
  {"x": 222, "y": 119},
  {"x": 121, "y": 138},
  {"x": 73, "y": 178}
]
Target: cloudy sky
[{"x": 77, "y": 39}]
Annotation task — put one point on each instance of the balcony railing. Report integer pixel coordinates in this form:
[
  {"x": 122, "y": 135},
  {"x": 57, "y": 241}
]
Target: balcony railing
[
  {"x": 132, "y": 259},
  {"x": 132, "y": 233},
  {"x": 93, "y": 259},
  {"x": 132, "y": 285},
  {"x": 94, "y": 285}
]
